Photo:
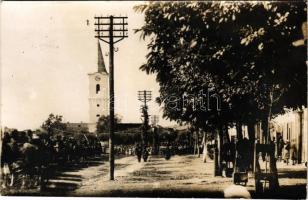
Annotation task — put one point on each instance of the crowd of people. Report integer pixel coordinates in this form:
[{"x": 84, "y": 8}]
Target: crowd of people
[
  {"x": 165, "y": 150},
  {"x": 127, "y": 150},
  {"x": 283, "y": 151},
  {"x": 28, "y": 159}
]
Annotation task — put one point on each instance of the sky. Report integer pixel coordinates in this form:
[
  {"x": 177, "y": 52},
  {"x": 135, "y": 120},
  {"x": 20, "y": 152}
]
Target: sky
[{"x": 47, "y": 50}]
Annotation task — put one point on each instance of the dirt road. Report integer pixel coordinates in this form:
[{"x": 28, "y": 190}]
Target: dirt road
[{"x": 181, "y": 176}]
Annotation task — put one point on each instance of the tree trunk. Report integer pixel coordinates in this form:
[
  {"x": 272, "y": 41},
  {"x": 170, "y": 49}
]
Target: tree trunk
[
  {"x": 216, "y": 160},
  {"x": 264, "y": 127},
  {"x": 198, "y": 147},
  {"x": 239, "y": 132},
  {"x": 252, "y": 137},
  {"x": 195, "y": 143},
  {"x": 227, "y": 133},
  {"x": 274, "y": 184},
  {"x": 251, "y": 132},
  {"x": 221, "y": 139},
  {"x": 300, "y": 137},
  {"x": 204, "y": 152},
  {"x": 190, "y": 140},
  {"x": 218, "y": 151}
]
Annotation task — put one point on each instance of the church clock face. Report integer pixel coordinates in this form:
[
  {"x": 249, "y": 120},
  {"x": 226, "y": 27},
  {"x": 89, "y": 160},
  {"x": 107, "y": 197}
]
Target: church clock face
[{"x": 97, "y": 78}]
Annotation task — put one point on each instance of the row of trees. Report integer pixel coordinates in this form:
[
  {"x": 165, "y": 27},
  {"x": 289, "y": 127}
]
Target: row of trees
[
  {"x": 136, "y": 135},
  {"x": 242, "y": 51},
  {"x": 54, "y": 126}
]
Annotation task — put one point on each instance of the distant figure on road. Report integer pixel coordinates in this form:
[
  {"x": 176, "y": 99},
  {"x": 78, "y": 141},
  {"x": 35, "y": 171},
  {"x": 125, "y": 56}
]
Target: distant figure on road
[
  {"x": 167, "y": 153},
  {"x": 138, "y": 151},
  {"x": 145, "y": 154},
  {"x": 287, "y": 152}
]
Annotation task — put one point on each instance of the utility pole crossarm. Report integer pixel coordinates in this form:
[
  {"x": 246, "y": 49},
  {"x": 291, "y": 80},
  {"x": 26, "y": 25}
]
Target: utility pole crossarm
[
  {"x": 113, "y": 29},
  {"x": 113, "y": 23}
]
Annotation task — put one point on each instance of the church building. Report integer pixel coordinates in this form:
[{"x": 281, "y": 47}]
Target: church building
[
  {"x": 98, "y": 91},
  {"x": 99, "y": 99}
]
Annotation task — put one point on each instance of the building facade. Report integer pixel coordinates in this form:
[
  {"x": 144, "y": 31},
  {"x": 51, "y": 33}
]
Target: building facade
[{"x": 292, "y": 127}]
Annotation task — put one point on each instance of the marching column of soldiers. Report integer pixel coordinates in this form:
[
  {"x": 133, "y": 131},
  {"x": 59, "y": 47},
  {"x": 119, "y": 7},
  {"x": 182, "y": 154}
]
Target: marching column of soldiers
[{"x": 28, "y": 160}]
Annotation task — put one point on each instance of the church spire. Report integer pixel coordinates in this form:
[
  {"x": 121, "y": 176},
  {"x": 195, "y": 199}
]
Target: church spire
[{"x": 100, "y": 60}]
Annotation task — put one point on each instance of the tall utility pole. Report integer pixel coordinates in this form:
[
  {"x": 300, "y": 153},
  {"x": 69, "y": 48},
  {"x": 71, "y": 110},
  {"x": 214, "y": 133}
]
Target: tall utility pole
[
  {"x": 111, "y": 30},
  {"x": 145, "y": 96}
]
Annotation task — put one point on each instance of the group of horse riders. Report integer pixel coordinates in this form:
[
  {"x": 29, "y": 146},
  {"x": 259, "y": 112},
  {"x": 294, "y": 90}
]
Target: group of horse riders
[{"x": 28, "y": 159}]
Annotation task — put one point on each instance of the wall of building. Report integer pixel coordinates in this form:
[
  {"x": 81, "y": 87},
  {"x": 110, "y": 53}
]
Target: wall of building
[
  {"x": 293, "y": 128},
  {"x": 290, "y": 125}
]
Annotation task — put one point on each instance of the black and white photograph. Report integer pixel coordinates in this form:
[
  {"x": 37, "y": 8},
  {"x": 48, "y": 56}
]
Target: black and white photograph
[{"x": 154, "y": 99}]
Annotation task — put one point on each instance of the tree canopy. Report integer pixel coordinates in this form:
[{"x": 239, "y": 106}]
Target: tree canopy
[
  {"x": 241, "y": 50},
  {"x": 103, "y": 123},
  {"x": 54, "y": 124}
]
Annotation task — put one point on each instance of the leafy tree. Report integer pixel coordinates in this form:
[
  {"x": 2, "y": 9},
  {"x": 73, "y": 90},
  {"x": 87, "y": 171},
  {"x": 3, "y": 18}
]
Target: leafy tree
[
  {"x": 128, "y": 137},
  {"x": 103, "y": 123},
  {"x": 54, "y": 124}
]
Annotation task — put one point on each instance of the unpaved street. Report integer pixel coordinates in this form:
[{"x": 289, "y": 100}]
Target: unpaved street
[
  {"x": 181, "y": 176},
  {"x": 157, "y": 177}
]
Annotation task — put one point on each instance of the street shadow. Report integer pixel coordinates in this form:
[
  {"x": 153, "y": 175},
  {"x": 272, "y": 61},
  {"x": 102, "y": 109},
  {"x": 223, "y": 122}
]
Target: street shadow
[
  {"x": 284, "y": 192},
  {"x": 120, "y": 166},
  {"x": 159, "y": 193},
  {"x": 76, "y": 166},
  {"x": 301, "y": 174},
  {"x": 67, "y": 177},
  {"x": 60, "y": 183}
]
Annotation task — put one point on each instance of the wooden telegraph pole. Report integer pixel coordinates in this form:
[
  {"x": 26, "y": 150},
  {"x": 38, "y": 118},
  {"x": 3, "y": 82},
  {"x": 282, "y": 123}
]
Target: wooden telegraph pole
[
  {"x": 145, "y": 96},
  {"x": 111, "y": 30}
]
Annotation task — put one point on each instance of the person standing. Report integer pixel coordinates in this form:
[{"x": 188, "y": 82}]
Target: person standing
[
  {"x": 287, "y": 152},
  {"x": 138, "y": 151},
  {"x": 280, "y": 148},
  {"x": 167, "y": 153},
  {"x": 293, "y": 151},
  {"x": 145, "y": 153}
]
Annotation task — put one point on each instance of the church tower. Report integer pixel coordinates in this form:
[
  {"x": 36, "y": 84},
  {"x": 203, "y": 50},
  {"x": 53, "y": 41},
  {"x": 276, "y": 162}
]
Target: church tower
[{"x": 98, "y": 91}]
